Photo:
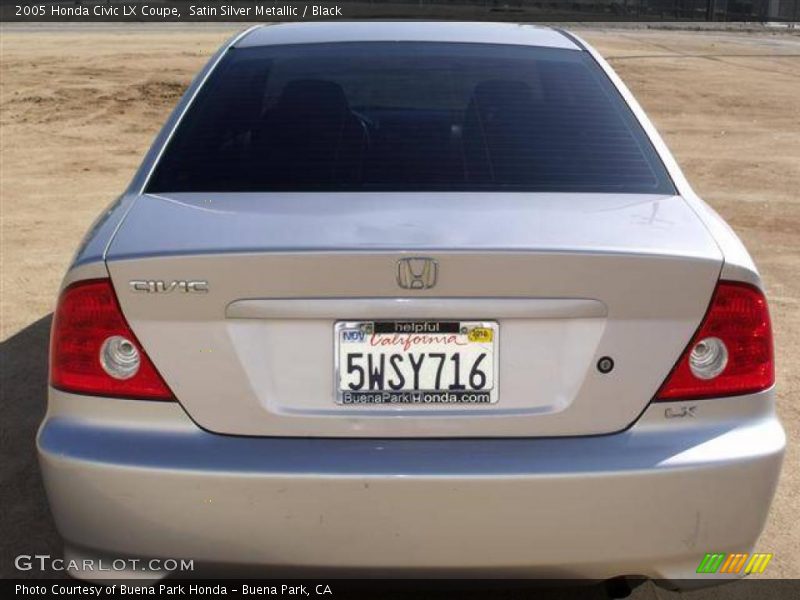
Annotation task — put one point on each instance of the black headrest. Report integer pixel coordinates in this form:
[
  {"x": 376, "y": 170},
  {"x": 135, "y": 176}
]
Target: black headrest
[
  {"x": 502, "y": 94},
  {"x": 312, "y": 96}
]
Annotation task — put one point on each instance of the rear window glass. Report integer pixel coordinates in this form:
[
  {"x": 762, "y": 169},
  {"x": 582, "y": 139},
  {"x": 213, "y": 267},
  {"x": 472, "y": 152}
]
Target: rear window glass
[{"x": 406, "y": 116}]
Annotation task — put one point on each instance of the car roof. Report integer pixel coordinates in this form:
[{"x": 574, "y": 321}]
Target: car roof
[{"x": 406, "y": 31}]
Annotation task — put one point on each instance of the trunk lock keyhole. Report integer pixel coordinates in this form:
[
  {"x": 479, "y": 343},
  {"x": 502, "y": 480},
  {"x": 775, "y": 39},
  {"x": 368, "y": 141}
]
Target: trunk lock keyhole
[{"x": 605, "y": 364}]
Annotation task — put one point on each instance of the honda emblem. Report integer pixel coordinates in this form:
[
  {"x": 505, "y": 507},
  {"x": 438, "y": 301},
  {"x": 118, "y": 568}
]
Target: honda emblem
[{"x": 417, "y": 273}]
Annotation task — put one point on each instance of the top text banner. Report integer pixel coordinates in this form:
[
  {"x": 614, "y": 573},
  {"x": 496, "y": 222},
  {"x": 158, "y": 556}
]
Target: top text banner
[
  {"x": 172, "y": 10},
  {"x": 281, "y": 10}
]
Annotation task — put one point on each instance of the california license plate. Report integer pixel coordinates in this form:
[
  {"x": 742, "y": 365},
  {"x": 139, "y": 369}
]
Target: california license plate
[{"x": 416, "y": 362}]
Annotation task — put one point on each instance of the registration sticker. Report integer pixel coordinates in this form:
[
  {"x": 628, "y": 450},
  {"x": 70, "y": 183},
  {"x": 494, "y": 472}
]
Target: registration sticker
[{"x": 480, "y": 335}]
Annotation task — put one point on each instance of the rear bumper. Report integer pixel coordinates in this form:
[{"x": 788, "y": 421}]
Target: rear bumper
[{"x": 132, "y": 478}]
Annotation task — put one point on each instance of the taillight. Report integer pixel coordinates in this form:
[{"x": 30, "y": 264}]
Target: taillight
[
  {"x": 731, "y": 353},
  {"x": 93, "y": 350}
]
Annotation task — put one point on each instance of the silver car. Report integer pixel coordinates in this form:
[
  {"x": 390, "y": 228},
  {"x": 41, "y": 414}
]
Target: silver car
[{"x": 412, "y": 298}]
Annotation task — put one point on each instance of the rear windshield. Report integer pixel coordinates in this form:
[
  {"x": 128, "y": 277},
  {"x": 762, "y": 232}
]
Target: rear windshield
[{"x": 408, "y": 116}]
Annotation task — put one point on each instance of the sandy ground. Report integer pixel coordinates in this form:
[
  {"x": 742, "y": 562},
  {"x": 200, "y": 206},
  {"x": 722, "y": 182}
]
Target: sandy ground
[{"x": 78, "y": 108}]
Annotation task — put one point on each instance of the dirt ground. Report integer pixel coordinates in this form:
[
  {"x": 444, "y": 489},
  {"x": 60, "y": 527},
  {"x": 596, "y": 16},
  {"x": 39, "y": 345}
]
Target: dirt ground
[{"x": 79, "y": 107}]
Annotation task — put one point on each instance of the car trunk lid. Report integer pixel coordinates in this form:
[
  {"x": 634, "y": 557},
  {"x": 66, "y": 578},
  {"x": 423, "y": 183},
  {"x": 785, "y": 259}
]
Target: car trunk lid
[{"x": 567, "y": 278}]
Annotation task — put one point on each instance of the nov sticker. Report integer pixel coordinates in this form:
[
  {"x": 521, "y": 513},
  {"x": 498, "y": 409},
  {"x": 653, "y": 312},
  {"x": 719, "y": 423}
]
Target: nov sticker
[{"x": 480, "y": 335}]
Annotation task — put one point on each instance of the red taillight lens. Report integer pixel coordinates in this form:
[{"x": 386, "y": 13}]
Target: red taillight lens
[
  {"x": 731, "y": 353},
  {"x": 89, "y": 334}
]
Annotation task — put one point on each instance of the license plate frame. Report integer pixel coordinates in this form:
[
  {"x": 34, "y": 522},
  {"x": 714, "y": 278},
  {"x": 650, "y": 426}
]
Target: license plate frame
[{"x": 474, "y": 336}]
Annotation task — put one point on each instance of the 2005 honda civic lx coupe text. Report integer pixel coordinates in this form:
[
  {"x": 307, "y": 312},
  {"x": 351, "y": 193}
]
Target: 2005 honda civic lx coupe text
[{"x": 411, "y": 298}]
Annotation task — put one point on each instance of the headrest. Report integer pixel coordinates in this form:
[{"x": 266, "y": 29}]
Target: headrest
[
  {"x": 312, "y": 96},
  {"x": 502, "y": 94}
]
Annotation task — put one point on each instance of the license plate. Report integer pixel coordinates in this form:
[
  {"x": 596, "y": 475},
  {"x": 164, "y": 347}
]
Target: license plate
[{"x": 416, "y": 362}]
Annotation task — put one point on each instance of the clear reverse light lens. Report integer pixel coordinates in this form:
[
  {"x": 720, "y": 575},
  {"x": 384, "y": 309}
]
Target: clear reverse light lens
[
  {"x": 709, "y": 358},
  {"x": 119, "y": 357}
]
